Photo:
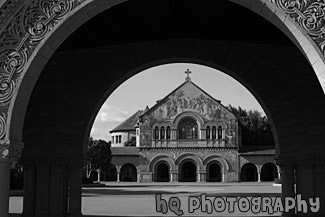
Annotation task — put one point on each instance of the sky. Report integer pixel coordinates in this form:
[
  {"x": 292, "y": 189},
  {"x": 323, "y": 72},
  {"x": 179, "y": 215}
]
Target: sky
[{"x": 153, "y": 84}]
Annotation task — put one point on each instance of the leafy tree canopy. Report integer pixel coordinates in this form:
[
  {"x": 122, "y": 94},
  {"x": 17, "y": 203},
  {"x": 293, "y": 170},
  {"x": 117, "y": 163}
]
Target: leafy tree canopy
[
  {"x": 255, "y": 128},
  {"x": 99, "y": 154}
]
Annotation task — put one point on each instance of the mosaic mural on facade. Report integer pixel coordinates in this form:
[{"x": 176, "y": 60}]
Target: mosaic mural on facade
[{"x": 187, "y": 98}]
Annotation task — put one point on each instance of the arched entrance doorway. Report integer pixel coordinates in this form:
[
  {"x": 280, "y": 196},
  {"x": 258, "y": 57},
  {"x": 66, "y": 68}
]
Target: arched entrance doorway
[
  {"x": 162, "y": 172},
  {"x": 214, "y": 172},
  {"x": 269, "y": 172},
  {"x": 248, "y": 173},
  {"x": 128, "y": 173},
  {"x": 187, "y": 171}
]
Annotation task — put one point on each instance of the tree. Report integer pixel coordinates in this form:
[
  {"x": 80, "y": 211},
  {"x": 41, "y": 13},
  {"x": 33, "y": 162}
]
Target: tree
[
  {"x": 256, "y": 129},
  {"x": 99, "y": 157}
]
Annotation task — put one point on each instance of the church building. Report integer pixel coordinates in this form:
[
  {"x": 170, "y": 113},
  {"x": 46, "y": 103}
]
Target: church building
[{"x": 188, "y": 136}]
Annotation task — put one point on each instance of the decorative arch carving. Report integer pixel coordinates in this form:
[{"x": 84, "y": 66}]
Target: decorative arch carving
[
  {"x": 250, "y": 163},
  {"x": 189, "y": 156},
  {"x": 221, "y": 160},
  {"x": 159, "y": 159},
  {"x": 25, "y": 26},
  {"x": 193, "y": 115},
  {"x": 161, "y": 124}
]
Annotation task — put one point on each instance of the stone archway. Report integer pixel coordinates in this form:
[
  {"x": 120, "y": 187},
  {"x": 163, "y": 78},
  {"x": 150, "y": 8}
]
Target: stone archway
[
  {"x": 269, "y": 172},
  {"x": 26, "y": 53},
  {"x": 187, "y": 171},
  {"x": 162, "y": 172},
  {"x": 128, "y": 173},
  {"x": 214, "y": 172},
  {"x": 248, "y": 173}
]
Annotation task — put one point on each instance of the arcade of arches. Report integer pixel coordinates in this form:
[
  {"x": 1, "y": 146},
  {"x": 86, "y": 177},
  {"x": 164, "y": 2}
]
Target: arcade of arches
[
  {"x": 60, "y": 60},
  {"x": 188, "y": 172}
]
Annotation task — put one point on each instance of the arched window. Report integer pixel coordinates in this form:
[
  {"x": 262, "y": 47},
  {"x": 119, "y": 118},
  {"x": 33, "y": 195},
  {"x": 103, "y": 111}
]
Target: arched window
[
  {"x": 156, "y": 133},
  {"x": 112, "y": 139},
  {"x": 162, "y": 133},
  {"x": 208, "y": 132},
  {"x": 214, "y": 132},
  {"x": 119, "y": 139},
  {"x": 188, "y": 129},
  {"x": 168, "y": 133},
  {"x": 219, "y": 132}
]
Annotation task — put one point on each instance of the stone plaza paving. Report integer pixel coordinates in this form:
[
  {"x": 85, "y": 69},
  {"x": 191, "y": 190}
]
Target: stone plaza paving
[{"x": 138, "y": 199}]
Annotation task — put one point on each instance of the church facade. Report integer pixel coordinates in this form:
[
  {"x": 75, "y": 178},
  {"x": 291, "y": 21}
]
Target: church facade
[{"x": 188, "y": 136}]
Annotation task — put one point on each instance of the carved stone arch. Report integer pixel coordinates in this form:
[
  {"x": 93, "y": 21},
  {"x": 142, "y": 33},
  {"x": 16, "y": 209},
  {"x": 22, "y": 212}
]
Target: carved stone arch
[
  {"x": 206, "y": 124},
  {"x": 159, "y": 125},
  {"x": 192, "y": 157},
  {"x": 223, "y": 124},
  {"x": 20, "y": 70},
  {"x": 269, "y": 171},
  {"x": 268, "y": 162},
  {"x": 248, "y": 162},
  {"x": 221, "y": 160},
  {"x": 195, "y": 116},
  {"x": 305, "y": 33},
  {"x": 159, "y": 159}
]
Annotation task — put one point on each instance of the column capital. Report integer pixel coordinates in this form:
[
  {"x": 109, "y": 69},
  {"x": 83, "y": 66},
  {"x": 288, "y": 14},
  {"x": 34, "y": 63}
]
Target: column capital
[{"x": 10, "y": 150}]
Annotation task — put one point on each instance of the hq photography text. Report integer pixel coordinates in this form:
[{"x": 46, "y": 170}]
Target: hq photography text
[{"x": 255, "y": 205}]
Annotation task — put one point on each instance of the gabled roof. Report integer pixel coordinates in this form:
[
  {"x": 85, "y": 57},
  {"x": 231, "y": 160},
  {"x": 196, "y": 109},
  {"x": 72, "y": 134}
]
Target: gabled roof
[
  {"x": 179, "y": 87},
  {"x": 128, "y": 124}
]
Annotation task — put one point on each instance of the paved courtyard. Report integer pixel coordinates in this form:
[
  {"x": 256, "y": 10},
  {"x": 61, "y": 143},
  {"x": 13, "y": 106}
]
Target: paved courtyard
[{"x": 137, "y": 199}]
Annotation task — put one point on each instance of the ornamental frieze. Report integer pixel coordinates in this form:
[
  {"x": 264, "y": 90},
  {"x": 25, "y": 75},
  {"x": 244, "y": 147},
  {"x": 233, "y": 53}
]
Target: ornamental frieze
[
  {"x": 20, "y": 38},
  {"x": 24, "y": 24},
  {"x": 309, "y": 14}
]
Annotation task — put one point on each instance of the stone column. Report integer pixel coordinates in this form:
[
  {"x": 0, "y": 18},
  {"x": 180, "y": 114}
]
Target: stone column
[
  {"x": 98, "y": 175},
  {"x": 4, "y": 184},
  {"x": 171, "y": 177},
  {"x": 58, "y": 187},
  {"x": 202, "y": 175},
  {"x": 223, "y": 176},
  {"x": 42, "y": 186},
  {"x": 29, "y": 186},
  {"x": 75, "y": 177},
  {"x": 279, "y": 172},
  {"x": 138, "y": 174},
  {"x": 9, "y": 152},
  {"x": 258, "y": 176},
  {"x": 174, "y": 175},
  {"x": 203, "y": 134},
  {"x": 198, "y": 176},
  {"x": 118, "y": 170},
  {"x": 288, "y": 188}
]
